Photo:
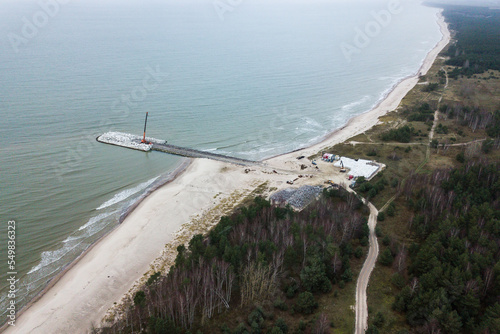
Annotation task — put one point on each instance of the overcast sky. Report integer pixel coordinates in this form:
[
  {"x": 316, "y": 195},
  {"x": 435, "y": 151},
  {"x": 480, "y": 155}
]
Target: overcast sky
[{"x": 490, "y": 3}]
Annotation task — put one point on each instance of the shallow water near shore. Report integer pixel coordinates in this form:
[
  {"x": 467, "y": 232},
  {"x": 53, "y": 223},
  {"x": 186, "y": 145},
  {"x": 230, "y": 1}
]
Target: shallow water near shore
[{"x": 267, "y": 79}]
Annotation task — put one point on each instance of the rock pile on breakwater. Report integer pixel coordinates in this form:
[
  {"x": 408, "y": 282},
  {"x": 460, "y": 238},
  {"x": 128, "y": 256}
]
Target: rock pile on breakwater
[{"x": 129, "y": 140}]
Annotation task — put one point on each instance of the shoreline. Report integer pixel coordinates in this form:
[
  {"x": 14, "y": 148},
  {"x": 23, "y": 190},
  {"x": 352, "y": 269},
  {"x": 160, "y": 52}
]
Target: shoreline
[
  {"x": 193, "y": 172},
  {"x": 181, "y": 168},
  {"x": 399, "y": 89}
]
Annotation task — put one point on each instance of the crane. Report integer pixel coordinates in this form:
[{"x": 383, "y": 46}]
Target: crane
[{"x": 144, "y": 136}]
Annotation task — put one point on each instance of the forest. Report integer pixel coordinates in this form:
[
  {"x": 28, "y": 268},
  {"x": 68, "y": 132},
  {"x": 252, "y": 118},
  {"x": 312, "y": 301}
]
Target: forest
[
  {"x": 449, "y": 278},
  {"x": 259, "y": 253},
  {"x": 478, "y": 33}
]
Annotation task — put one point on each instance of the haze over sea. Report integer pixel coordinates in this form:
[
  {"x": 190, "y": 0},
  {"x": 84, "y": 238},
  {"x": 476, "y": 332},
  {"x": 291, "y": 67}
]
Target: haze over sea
[{"x": 252, "y": 79}]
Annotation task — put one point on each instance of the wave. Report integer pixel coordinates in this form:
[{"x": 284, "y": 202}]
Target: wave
[
  {"x": 70, "y": 243},
  {"x": 50, "y": 257},
  {"x": 72, "y": 238},
  {"x": 351, "y": 105},
  {"x": 121, "y": 196},
  {"x": 96, "y": 219}
]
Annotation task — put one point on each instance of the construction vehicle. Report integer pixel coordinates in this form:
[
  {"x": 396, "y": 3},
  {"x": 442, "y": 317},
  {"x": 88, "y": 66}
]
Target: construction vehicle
[{"x": 342, "y": 168}]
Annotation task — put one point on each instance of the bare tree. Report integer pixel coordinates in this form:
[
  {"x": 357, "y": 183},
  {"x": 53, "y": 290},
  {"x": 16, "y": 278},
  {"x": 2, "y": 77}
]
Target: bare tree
[{"x": 322, "y": 325}]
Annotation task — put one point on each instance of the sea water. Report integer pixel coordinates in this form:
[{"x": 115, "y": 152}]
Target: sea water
[{"x": 245, "y": 78}]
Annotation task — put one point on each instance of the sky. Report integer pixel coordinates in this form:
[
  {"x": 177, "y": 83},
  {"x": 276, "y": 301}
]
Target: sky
[{"x": 489, "y": 3}]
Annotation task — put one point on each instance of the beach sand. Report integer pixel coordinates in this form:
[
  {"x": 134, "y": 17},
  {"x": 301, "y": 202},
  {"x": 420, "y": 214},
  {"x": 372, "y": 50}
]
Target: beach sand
[{"x": 189, "y": 204}]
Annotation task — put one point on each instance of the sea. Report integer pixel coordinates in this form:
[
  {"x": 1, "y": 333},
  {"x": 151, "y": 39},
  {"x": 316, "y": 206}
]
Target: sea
[{"x": 248, "y": 78}]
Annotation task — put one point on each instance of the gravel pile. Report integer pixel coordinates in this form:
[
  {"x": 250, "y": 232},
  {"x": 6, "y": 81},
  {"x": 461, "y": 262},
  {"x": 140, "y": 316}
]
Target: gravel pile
[
  {"x": 282, "y": 196},
  {"x": 298, "y": 198}
]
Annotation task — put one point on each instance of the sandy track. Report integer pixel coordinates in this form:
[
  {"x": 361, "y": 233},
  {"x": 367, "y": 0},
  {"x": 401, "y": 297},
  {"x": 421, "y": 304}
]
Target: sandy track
[{"x": 364, "y": 275}]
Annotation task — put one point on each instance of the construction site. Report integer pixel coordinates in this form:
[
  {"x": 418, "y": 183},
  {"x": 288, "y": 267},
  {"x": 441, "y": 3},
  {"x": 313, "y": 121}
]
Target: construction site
[
  {"x": 147, "y": 144},
  {"x": 331, "y": 171}
]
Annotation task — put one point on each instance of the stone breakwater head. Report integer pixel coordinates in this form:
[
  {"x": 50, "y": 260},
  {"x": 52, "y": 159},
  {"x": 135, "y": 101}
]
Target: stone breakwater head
[{"x": 134, "y": 142}]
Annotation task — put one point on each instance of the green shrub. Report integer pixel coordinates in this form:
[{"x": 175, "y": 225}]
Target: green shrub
[
  {"x": 398, "y": 280},
  {"x": 280, "y": 305},
  {"x": 386, "y": 240},
  {"x": 402, "y": 134},
  {"x": 139, "y": 298},
  {"x": 379, "y": 320},
  {"x": 314, "y": 277},
  {"x": 291, "y": 290},
  {"x": 430, "y": 87},
  {"x": 364, "y": 241},
  {"x": 381, "y": 216},
  {"x": 281, "y": 324},
  {"x": 257, "y": 316},
  {"x": 275, "y": 330},
  {"x": 241, "y": 329},
  {"x": 442, "y": 129},
  {"x": 153, "y": 278},
  {"x": 225, "y": 329},
  {"x": 162, "y": 326},
  {"x": 358, "y": 252},
  {"x": 394, "y": 183},
  {"x": 390, "y": 210},
  {"x": 386, "y": 257},
  {"x": 306, "y": 303},
  {"x": 347, "y": 275}
]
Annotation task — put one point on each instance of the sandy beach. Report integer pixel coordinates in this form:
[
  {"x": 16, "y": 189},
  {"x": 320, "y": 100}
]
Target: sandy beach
[{"x": 191, "y": 203}]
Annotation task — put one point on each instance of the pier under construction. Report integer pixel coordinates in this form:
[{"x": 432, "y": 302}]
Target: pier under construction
[{"x": 147, "y": 144}]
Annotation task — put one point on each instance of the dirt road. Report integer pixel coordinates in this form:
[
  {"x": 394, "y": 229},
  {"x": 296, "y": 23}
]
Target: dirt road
[{"x": 364, "y": 275}]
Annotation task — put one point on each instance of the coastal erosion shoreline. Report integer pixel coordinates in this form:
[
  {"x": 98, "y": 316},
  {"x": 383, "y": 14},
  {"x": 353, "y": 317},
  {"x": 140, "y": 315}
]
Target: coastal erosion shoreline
[
  {"x": 181, "y": 168},
  {"x": 73, "y": 319}
]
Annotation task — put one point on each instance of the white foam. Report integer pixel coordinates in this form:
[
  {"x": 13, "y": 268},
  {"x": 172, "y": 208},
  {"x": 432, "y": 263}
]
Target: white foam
[
  {"x": 96, "y": 219},
  {"x": 50, "y": 257},
  {"x": 72, "y": 238},
  {"x": 349, "y": 106},
  {"x": 121, "y": 196}
]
